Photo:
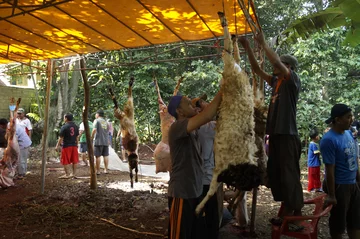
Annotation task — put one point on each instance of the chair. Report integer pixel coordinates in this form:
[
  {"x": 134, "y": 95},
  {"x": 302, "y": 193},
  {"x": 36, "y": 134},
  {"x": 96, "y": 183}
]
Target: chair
[{"x": 310, "y": 222}]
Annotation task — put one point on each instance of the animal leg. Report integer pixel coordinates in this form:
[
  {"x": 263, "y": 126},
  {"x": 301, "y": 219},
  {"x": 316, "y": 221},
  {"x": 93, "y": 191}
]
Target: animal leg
[
  {"x": 160, "y": 100},
  {"x": 227, "y": 36},
  {"x": 119, "y": 114},
  {"x": 176, "y": 90},
  {"x": 236, "y": 49},
  {"x": 131, "y": 177},
  {"x": 212, "y": 190},
  {"x": 129, "y": 106},
  {"x": 136, "y": 172},
  {"x": 131, "y": 82}
]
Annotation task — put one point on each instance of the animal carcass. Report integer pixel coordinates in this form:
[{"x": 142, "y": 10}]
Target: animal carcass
[
  {"x": 128, "y": 132},
  {"x": 234, "y": 144},
  {"x": 162, "y": 150},
  {"x": 11, "y": 155}
]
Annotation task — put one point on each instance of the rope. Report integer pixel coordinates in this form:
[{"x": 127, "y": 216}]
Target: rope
[
  {"x": 235, "y": 18},
  {"x": 223, "y": 5},
  {"x": 254, "y": 28}
]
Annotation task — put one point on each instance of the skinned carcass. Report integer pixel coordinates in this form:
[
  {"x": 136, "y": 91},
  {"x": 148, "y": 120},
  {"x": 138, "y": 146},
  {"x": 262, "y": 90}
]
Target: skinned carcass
[
  {"x": 129, "y": 136},
  {"x": 234, "y": 145},
  {"x": 11, "y": 155},
  {"x": 162, "y": 150}
]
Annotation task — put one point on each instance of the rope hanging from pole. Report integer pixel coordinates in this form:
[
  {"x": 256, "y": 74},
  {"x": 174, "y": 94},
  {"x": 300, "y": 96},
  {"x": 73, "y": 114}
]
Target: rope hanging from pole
[
  {"x": 235, "y": 18},
  {"x": 254, "y": 28}
]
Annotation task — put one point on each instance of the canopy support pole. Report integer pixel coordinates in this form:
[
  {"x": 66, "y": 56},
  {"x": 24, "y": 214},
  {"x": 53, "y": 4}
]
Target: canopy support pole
[{"x": 46, "y": 124}]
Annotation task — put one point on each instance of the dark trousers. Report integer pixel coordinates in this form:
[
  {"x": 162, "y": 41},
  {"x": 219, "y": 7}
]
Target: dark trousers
[
  {"x": 183, "y": 223},
  {"x": 346, "y": 213},
  {"x": 283, "y": 170},
  {"x": 211, "y": 216}
]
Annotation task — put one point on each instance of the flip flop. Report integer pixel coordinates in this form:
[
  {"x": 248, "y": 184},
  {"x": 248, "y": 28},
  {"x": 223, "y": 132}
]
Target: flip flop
[
  {"x": 65, "y": 176},
  {"x": 276, "y": 221},
  {"x": 295, "y": 228}
]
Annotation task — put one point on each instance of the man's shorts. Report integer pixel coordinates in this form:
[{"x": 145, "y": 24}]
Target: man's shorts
[
  {"x": 69, "y": 155},
  {"x": 101, "y": 150},
  {"x": 83, "y": 147},
  {"x": 346, "y": 213}
]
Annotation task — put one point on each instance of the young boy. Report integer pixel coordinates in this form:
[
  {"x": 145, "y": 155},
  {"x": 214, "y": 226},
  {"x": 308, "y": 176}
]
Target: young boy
[{"x": 314, "y": 163}]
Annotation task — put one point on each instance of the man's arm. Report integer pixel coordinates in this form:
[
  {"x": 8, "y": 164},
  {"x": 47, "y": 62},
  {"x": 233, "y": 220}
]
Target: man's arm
[
  {"x": 330, "y": 184},
  {"x": 29, "y": 127},
  {"x": 271, "y": 55},
  {"x": 206, "y": 115},
  {"x": 253, "y": 62},
  {"x": 93, "y": 134},
  {"x": 59, "y": 143}
]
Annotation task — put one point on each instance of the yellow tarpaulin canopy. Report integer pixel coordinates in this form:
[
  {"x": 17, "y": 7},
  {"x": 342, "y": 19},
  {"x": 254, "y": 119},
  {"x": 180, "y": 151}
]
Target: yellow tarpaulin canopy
[{"x": 36, "y": 30}]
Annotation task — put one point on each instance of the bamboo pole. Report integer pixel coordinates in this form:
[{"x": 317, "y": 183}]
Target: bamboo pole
[
  {"x": 46, "y": 124},
  {"x": 93, "y": 183}
]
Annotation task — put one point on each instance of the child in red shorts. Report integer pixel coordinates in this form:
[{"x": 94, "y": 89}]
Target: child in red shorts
[{"x": 314, "y": 184}]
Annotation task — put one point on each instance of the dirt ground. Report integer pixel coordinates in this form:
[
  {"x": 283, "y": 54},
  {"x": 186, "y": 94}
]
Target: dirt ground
[{"x": 69, "y": 209}]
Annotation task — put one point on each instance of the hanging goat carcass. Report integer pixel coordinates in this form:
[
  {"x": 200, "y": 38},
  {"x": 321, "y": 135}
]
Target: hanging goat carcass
[
  {"x": 128, "y": 132},
  {"x": 162, "y": 150},
  {"x": 234, "y": 145},
  {"x": 11, "y": 155}
]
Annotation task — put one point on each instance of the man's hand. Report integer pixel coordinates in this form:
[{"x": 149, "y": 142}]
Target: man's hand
[
  {"x": 260, "y": 39},
  {"x": 329, "y": 200}
]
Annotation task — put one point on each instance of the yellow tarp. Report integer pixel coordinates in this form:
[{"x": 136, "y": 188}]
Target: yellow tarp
[{"x": 81, "y": 26}]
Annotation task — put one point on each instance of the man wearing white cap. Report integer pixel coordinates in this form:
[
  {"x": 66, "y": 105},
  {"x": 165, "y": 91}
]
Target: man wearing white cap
[{"x": 22, "y": 121}]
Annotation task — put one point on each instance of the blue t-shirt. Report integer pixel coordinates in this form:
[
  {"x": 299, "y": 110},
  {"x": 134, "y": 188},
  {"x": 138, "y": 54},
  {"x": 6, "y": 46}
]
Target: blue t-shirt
[
  {"x": 340, "y": 150},
  {"x": 313, "y": 155}
]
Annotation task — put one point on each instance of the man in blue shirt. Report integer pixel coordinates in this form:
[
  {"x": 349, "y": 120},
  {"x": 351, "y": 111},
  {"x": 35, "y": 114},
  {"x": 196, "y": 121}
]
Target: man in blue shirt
[{"x": 339, "y": 154}]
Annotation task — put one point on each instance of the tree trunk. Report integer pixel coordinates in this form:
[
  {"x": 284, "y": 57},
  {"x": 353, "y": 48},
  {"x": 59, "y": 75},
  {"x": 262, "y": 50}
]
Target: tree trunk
[
  {"x": 93, "y": 183},
  {"x": 74, "y": 84}
]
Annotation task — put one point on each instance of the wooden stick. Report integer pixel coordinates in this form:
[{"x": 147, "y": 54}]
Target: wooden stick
[
  {"x": 149, "y": 148},
  {"x": 46, "y": 123},
  {"x": 132, "y": 230},
  {"x": 85, "y": 113},
  {"x": 253, "y": 211}
]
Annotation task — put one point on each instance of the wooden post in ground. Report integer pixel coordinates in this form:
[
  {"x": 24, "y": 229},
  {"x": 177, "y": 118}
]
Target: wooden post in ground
[
  {"x": 253, "y": 211},
  {"x": 46, "y": 123},
  {"x": 93, "y": 184}
]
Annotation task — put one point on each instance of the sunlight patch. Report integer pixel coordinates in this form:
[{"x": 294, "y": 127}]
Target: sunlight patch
[{"x": 139, "y": 186}]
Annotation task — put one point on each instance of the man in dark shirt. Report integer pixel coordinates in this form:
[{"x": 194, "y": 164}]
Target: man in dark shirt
[
  {"x": 186, "y": 185},
  {"x": 69, "y": 139},
  {"x": 283, "y": 167}
]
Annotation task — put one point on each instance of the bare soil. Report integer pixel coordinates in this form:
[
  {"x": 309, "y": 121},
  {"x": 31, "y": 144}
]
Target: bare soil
[{"x": 69, "y": 209}]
